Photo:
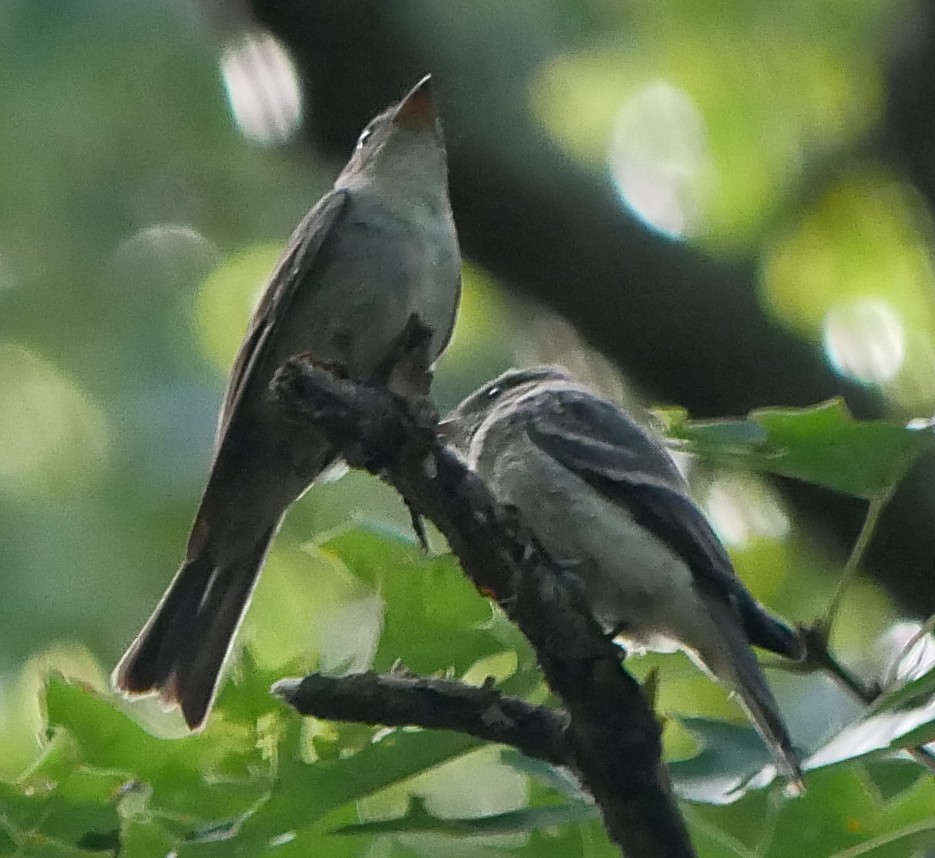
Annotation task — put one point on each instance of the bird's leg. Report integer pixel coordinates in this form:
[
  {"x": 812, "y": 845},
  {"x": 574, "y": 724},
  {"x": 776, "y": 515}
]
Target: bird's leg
[{"x": 405, "y": 370}]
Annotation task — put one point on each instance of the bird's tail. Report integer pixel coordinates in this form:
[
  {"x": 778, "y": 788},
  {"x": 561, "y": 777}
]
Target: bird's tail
[
  {"x": 743, "y": 671},
  {"x": 181, "y": 649},
  {"x": 767, "y": 631}
]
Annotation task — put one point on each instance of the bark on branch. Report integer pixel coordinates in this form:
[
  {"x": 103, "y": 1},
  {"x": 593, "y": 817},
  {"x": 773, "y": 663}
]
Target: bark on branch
[
  {"x": 436, "y": 704},
  {"x": 612, "y": 737}
]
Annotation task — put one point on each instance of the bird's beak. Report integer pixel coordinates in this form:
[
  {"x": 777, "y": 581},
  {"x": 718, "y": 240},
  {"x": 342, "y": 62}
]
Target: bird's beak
[
  {"x": 417, "y": 110},
  {"x": 446, "y": 429}
]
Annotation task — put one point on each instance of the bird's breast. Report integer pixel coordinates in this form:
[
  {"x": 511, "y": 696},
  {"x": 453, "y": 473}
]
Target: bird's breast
[
  {"x": 633, "y": 579},
  {"x": 385, "y": 261}
]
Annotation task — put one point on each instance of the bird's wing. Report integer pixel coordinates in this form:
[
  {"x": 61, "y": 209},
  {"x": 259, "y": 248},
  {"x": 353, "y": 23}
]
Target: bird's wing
[
  {"x": 293, "y": 269},
  {"x": 596, "y": 441}
]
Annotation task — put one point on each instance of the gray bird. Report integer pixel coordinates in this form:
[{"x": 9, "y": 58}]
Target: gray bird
[
  {"x": 605, "y": 499},
  {"x": 375, "y": 255}
]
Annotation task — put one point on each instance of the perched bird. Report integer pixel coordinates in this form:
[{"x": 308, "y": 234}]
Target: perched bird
[
  {"x": 606, "y": 501},
  {"x": 377, "y": 253}
]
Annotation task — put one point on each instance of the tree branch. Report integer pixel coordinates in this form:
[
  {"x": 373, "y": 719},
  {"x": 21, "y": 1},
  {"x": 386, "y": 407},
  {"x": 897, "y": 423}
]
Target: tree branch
[
  {"x": 613, "y": 736},
  {"x": 436, "y": 704}
]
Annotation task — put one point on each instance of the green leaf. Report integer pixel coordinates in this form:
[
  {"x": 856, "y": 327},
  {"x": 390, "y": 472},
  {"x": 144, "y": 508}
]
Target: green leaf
[
  {"x": 913, "y": 840},
  {"x": 778, "y": 827},
  {"x": 713, "y": 842},
  {"x": 244, "y": 698},
  {"x": 877, "y": 733},
  {"x": 906, "y": 695},
  {"x": 823, "y": 444},
  {"x": 730, "y": 755},
  {"x": 64, "y": 818},
  {"x": 177, "y": 771},
  {"x": 557, "y": 779},
  {"x": 146, "y": 839},
  {"x": 837, "y": 813},
  {"x": 840, "y": 814},
  {"x": 304, "y": 793},
  {"x": 434, "y": 617},
  {"x": 892, "y": 776},
  {"x": 418, "y": 818},
  {"x": 7, "y": 844},
  {"x": 300, "y": 844},
  {"x": 919, "y": 735},
  {"x": 589, "y": 840},
  {"x": 57, "y": 758}
]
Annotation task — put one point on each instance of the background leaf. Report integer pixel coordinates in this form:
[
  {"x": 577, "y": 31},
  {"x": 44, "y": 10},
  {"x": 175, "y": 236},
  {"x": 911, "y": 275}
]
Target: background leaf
[{"x": 823, "y": 444}]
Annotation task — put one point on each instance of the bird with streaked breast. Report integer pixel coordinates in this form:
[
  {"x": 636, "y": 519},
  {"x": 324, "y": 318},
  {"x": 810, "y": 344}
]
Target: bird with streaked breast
[
  {"x": 376, "y": 254},
  {"x": 606, "y": 501}
]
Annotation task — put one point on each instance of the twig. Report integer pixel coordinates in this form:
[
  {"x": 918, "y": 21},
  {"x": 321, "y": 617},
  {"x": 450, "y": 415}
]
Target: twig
[
  {"x": 613, "y": 736},
  {"x": 874, "y": 510},
  {"x": 818, "y": 654}
]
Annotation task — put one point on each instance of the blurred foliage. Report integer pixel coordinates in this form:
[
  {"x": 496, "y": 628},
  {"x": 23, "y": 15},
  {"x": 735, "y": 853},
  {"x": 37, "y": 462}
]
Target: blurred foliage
[
  {"x": 822, "y": 445},
  {"x": 136, "y": 229},
  {"x": 260, "y": 780},
  {"x": 822, "y": 92}
]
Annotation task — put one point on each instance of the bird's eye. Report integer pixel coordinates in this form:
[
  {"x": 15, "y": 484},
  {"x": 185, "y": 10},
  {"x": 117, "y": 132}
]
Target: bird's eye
[
  {"x": 365, "y": 135},
  {"x": 493, "y": 392}
]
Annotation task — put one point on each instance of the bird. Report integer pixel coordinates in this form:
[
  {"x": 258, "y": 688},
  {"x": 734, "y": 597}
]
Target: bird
[
  {"x": 375, "y": 259},
  {"x": 605, "y": 500}
]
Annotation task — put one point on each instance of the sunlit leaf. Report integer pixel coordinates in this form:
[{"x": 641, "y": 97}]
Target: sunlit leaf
[
  {"x": 417, "y": 818},
  {"x": 304, "y": 793},
  {"x": 434, "y": 617},
  {"x": 882, "y": 731},
  {"x": 908, "y": 694},
  {"x": 175, "y": 770},
  {"x": 823, "y": 444}
]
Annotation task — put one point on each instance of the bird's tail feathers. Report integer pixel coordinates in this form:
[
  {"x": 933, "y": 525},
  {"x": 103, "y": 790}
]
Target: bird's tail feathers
[
  {"x": 744, "y": 673},
  {"x": 768, "y": 632},
  {"x": 180, "y": 651}
]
